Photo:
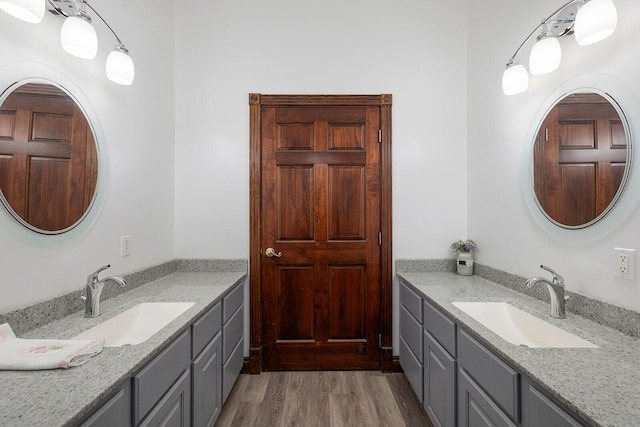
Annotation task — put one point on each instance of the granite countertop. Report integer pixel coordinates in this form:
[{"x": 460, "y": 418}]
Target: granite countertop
[
  {"x": 601, "y": 385},
  {"x": 62, "y": 397}
]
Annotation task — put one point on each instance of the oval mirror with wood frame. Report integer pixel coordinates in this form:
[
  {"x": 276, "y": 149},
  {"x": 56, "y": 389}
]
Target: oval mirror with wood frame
[
  {"x": 48, "y": 158},
  {"x": 581, "y": 159}
]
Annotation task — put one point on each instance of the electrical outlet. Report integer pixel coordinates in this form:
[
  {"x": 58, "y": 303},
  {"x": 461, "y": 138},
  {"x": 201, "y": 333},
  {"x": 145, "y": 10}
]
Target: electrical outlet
[
  {"x": 625, "y": 263},
  {"x": 125, "y": 248}
]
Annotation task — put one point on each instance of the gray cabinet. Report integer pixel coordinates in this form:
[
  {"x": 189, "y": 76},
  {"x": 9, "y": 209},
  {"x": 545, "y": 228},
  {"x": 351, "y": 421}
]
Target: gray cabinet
[
  {"x": 188, "y": 382},
  {"x": 206, "y": 368},
  {"x": 439, "y": 383},
  {"x": 541, "y": 410},
  {"x": 174, "y": 409},
  {"x": 463, "y": 383},
  {"x": 411, "y": 332},
  {"x": 485, "y": 378},
  {"x": 232, "y": 338},
  {"x": 156, "y": 379},
  {"x": 499, "y": 380},
  {"x": 439, "y": 365},
  {"x": 475, "y": 407}
]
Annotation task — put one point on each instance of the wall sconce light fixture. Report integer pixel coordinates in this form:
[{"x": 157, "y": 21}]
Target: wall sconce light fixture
[
  {"x": 77, "y": 36},
  {"x": 589, "y": 20}
]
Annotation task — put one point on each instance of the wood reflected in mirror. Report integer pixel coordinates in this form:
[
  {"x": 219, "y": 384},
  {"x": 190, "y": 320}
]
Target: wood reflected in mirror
[
  {"x": 48, "y": 158},
  {"x": 580, "y": 158}
]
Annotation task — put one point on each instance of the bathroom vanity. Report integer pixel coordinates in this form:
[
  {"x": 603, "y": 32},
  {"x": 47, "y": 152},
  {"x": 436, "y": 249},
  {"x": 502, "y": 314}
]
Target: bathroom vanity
[
  {"x": 182, "y": 373},
  {"x": 466, "y": 375}
]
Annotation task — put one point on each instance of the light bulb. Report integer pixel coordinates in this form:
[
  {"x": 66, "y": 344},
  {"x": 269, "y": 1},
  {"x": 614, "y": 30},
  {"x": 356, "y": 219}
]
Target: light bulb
[
  {"x": 120, "y": 67},
  {"x": 31, "y": 11},
  {"x": 545, "y": 56},
  {"x": 595, "y": 21},
  {"x": 78, "y": 37},
  {"x": 515, "y": 78}
]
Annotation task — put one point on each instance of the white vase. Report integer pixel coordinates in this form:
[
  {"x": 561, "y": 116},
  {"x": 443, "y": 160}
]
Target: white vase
[{"x": 465, "y": 263}]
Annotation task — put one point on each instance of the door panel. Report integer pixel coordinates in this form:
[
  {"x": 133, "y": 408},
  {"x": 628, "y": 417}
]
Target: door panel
[
  {"x": 346, "y": 302},
  {"x": 346, "y": 203},
  {"x": 295, "y": 303},
  {"x": 321, "y": 209},
  {"x": 295, "y": 207}
]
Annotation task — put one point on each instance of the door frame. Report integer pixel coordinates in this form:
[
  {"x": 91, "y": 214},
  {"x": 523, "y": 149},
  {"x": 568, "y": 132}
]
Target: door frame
[{"x": 256, "y": 103}]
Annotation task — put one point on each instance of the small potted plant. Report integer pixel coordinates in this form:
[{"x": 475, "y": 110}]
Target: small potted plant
[{"x": 464, "y": 248}]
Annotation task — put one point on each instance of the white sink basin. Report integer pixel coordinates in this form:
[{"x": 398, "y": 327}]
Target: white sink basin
[
  {"x": 137, "y": 324},
  {"x": 519, "y": 327}
]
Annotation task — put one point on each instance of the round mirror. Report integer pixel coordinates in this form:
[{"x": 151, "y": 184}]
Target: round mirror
[
  {"x": 581, "y": 159},
  {"x": 48, "y": 157}
]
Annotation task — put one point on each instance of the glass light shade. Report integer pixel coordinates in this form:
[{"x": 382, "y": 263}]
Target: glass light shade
[
  {"x": 545, "y": 56},
  {"x": 120, "y": 67},
  {"x": 79, "y": 38},
  {"x": 595, "y": 21},
  {"x": 515, "y": 79},
  {"x": 27, "y": 10}
]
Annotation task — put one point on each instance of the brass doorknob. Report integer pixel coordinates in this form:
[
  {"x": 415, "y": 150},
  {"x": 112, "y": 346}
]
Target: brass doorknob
[{"x": 270, "y": 252}]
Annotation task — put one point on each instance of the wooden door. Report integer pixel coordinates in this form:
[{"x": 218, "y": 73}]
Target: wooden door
[{"x": 320, "y": 210}]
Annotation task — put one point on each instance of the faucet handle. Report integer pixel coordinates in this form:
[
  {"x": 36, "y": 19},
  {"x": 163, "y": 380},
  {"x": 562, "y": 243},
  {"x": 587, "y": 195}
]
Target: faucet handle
[
  {"x": 93, "y": 277},
  {"x": 557, "y": 279}
]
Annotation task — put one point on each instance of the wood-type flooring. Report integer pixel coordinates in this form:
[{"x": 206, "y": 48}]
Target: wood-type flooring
[{"x": 327, "y": 398}]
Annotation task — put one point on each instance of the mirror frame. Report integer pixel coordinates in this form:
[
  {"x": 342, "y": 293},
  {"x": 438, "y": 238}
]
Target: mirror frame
[
  {"x": 626, "y": 200},
  {"x": 17, "y": 74}
]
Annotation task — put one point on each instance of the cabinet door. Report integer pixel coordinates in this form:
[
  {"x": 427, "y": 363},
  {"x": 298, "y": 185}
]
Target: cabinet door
[
  {"x": 412, "y": 368},
  {"x": 174, "y": 409},
  {"x": 206, "y": 372},
  {"x": 439, "y": 383},
  {"x": 231, "y": 369},
  {"x": 115, "y": 411},
  {"x": 475, "y": 408}
]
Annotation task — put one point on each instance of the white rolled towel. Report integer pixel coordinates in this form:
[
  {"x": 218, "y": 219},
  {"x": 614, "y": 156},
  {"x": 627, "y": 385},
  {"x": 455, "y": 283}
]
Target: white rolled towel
[{"x": 18, "y": 354}]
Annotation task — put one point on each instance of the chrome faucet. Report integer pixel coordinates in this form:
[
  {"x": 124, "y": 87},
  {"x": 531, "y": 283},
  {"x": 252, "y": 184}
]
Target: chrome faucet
[
  {"x": 93, "y": 291},
  {"x": 556, "y": 292}
]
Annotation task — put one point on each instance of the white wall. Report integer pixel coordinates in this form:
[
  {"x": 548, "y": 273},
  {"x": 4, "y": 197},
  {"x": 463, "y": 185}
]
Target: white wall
[
  {"x": 138, "y": 125},
  {"x": 507, "y": 234}
]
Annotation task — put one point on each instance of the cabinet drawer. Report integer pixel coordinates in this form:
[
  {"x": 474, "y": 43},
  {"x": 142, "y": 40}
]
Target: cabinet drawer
[
  {"x": 411, "y": 332},
  {"x": 232, "y": 302},
  {"x": 231, "y": 334},
  {"x": 495, "y": 377},
  {"x": 231, "y": 369},
  {"x": 206, "y": 327},
  {"x": 544, "y": 412},
  {"x": 412, "y": 368},
  {"x": 152, "y": 382},
  {"x": 411, "y": 301},
  {"x": 440, "y": 327}
]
